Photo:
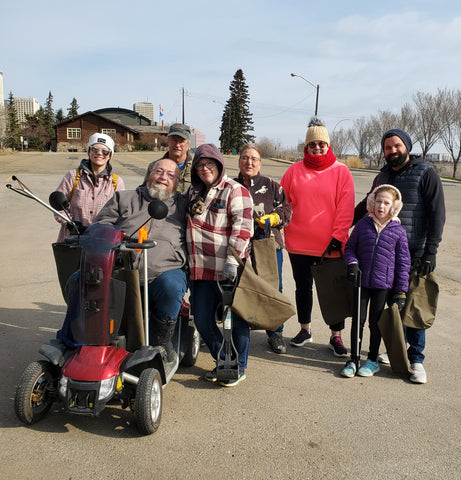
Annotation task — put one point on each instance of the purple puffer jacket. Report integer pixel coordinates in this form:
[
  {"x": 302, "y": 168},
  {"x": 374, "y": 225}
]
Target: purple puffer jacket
[{"x": 384, "y": 259}]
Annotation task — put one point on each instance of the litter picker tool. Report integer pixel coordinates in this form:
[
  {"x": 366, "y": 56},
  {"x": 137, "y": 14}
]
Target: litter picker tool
[{"x": 227, "y": 362}]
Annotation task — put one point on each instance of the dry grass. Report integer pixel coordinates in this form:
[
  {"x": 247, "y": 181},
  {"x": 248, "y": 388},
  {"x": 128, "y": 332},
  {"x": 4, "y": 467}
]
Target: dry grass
[{"x": 352, "y": 162}]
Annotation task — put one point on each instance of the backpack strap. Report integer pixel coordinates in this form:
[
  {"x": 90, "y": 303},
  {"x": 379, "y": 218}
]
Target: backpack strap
[{"x": 77, "y": 179}]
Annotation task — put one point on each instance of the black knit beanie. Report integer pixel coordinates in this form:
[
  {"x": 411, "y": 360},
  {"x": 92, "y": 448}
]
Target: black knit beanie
[{"x": 401, "y": 134}]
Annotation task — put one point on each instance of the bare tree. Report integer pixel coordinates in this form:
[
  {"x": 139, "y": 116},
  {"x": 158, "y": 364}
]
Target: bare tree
[
  {"x": 425, "y": 128},
  {"x": 407, "y": 119},
  {"x": 340, "y": 141},
  {"x": 269, "y": 148},
  {"x": 449, "y": 102},
  {"x": 363, "y": 139}
]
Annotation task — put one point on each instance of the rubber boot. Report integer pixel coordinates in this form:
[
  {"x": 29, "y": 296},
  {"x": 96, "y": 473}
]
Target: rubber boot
[{"x": 162, "y": 332}]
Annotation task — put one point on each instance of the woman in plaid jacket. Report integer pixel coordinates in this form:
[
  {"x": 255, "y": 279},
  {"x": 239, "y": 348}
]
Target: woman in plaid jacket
[{"x": 220, "y": 215}]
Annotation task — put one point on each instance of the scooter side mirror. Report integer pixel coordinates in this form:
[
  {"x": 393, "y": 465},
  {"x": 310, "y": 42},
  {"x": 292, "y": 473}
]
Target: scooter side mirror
[
  {"x": 58, "y": 201},
  {"x": 157, "y": 209}
]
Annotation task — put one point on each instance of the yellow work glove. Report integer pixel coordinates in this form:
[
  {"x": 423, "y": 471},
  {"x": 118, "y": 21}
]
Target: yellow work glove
[{"x": 273, "y": 217}]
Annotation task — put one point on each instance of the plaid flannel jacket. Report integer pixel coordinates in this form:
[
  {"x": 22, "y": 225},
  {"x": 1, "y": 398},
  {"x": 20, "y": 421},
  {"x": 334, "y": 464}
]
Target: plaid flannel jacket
[{"x": 227, "y": 219}]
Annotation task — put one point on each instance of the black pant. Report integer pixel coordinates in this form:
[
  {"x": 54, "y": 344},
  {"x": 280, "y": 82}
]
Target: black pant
[
  {"x": 376, "y": 299},
  {"x": 301, "y": 266}
]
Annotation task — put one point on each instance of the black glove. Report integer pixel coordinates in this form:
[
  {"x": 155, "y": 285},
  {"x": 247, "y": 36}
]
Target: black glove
[
  {"x": 333, "y": 246},
  {"x": 76, "y": 228},
  {"x": 352, "y": 272},
  {"x": 427, "y": 264},
  {"x": 399, "y": 299}
]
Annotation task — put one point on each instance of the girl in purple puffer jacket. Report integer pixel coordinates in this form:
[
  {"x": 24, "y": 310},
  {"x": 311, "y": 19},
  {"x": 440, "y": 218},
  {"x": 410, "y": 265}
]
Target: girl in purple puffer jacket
[{"x": 378, "y": 246}]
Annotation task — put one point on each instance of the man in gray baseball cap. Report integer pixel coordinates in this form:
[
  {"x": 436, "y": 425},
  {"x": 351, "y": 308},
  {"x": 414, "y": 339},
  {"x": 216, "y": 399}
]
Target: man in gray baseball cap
[{"x": 179, "y": 137}]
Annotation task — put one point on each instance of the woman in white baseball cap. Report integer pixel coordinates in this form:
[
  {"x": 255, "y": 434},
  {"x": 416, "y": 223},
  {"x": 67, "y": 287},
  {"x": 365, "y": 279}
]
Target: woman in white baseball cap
[{"x": 91, "y": 185}]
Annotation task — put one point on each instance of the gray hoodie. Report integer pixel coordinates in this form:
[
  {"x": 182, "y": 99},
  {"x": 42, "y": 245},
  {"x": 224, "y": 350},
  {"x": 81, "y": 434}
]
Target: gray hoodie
[{"x": 128, "y": 210}]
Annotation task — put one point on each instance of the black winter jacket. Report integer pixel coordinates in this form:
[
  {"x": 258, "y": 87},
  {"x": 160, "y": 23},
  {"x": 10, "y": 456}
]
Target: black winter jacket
[{"x": 423, "y": 211}]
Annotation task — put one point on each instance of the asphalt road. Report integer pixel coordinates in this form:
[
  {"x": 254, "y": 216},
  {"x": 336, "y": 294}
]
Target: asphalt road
[{"x": 294, "y": 417}]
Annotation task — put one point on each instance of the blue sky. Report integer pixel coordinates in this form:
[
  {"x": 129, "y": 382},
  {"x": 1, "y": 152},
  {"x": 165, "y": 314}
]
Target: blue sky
[{"x": 366, "y": 56}]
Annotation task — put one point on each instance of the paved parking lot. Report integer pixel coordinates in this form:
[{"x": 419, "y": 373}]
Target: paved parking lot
[{"x": 294, "y": 417}]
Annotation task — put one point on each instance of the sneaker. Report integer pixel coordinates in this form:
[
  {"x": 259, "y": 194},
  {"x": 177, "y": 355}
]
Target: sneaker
[
  {"x": 419, "y": 374},
  {"x": 277, "y": 343},
  {"x": 349, "y": 370},
  {"x": 336, "y": 344},
  {"x": 384, "y": 359},
  {"x": 235, "y": 381},
  {"x": 304, "y": 336},
  {"x": 368, "y": 369},
  {"x": 211, "y": 376}
]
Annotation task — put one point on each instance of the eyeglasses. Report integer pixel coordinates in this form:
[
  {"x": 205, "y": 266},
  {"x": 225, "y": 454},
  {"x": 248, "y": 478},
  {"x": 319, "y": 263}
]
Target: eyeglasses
[
  {"x": 210, "y": 165},
  {"x": 160, "y": 172},
  {"x": 100, "y": 150},
  {"x": 246, "y": 158},
  {"x": 319, "y": 144}
]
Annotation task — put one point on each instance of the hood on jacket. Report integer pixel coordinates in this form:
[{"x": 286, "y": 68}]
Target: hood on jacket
[
  {"x": 206, "y": 150},
  {"x": 396, "y": 205}
]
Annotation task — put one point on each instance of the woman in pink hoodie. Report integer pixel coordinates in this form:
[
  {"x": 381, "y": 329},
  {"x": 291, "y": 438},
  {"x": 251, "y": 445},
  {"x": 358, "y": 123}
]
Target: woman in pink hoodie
[{"x": 321, "y": 193}]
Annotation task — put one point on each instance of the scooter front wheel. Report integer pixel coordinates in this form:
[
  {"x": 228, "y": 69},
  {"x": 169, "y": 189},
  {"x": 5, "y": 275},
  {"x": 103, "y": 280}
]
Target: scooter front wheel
[
  {"x": 36, "y": 392},
  {"x": 149, "y": 401}
]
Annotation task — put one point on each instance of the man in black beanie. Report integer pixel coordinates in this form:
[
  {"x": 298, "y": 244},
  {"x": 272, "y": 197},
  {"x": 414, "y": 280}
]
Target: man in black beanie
[{"x": 422, "y": 216}]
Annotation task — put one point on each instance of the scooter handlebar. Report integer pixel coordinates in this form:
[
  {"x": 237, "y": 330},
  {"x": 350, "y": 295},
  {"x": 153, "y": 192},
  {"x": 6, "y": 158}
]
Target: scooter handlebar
[{"x": 125, "y": 246}]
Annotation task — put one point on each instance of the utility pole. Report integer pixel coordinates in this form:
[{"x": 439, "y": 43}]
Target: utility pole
[{"x": 183, "y": 116}]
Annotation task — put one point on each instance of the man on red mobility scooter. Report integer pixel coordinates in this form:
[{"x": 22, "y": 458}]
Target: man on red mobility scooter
[{"x": 167, "y": 274}]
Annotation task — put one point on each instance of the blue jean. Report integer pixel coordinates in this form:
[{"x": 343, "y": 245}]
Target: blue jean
[
  {"x": 166, "y": 293},
  {"x": 205, "y": 298},
  {"x": 279, "y": 265},
  {"x": 416, "y": 338}
]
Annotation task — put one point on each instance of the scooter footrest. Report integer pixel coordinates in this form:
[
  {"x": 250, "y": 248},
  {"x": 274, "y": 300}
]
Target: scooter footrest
[{"x": 55, "y": 351}]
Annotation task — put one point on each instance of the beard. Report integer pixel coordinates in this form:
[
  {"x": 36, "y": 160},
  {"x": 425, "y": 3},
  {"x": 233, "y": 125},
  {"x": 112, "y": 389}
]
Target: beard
[
  {"x": 396, "y": 159},
  {"x": 162, "y": 194}
]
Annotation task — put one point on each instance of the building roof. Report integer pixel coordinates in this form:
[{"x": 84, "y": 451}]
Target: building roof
[
  {"x": 107, "y": 119},
  {"x": 124, "y": 116}
]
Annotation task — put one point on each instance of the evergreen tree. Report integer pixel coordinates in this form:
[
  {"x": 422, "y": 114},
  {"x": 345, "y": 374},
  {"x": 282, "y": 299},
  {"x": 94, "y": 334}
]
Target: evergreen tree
[
  {"x": 73, "y": 109},
  {"x": 13, "y": 128},
  {"x": 236, "y": 120},
  {"x": 59, "y": 117},
  {"x": 34, "y": 131},
  {"x": 48, "y": 117}
]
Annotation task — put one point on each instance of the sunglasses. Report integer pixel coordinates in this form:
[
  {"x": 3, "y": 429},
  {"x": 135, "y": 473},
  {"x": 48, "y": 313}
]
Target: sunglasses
[
  {"x": 160, "y": 172},
  {"x": 100, "y": 150},
  {"x": 319, "y": 144},
  {"x": 209, "y": 165}
]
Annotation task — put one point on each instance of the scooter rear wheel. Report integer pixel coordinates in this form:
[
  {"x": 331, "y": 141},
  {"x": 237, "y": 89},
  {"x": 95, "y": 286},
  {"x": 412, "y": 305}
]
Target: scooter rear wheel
[
  {"x": 36, "y": 392},
  {"x": 149, "y": 401},
  {"x": 193, "y": 347}
]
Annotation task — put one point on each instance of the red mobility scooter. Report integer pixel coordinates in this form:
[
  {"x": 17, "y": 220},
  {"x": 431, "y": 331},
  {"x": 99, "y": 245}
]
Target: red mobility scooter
[{"x": 113, "y": 360}]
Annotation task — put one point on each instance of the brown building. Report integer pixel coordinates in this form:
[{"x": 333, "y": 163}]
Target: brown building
[
  {"x": 72, "y": 134},
  {"x": 128, "y": 128}
]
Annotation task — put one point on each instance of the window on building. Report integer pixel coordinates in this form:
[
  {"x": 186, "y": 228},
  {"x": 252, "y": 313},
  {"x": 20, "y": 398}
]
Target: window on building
[
  {"x": 109, "y": 131},
  {"x": 74, "y": 133}
]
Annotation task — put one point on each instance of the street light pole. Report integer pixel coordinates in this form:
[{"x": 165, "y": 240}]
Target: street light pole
[{"x": 317, "y": 87}]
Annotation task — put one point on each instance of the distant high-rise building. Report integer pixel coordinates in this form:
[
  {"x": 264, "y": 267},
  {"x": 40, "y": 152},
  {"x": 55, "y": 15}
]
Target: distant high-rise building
[
  {"x": 25, "y": 106},
  {"x": 145, "y": 109}
]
